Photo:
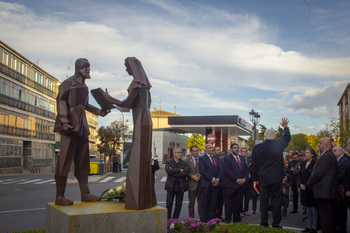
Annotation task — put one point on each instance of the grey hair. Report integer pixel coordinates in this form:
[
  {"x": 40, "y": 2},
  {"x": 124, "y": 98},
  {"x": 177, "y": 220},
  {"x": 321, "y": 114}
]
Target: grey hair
[
  {"x": 270, "y": 134},
  {"x": 177, "y": 148}
]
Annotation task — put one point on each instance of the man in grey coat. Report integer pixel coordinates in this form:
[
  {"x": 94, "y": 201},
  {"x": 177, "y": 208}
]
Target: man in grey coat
[{"x": 323, "y": 181}]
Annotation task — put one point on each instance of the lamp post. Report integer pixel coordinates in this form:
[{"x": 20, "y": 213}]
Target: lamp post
[{"x": 254, "y": 118}]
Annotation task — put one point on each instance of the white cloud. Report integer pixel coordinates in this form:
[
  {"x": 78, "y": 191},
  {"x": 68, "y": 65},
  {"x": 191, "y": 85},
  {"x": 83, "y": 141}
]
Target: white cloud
[
  {"x": 284, "y": 95},
  {"x": 197, "y": 57},
  {"x": 264, "y": 103},
  {"x": 318, "y": 103}
]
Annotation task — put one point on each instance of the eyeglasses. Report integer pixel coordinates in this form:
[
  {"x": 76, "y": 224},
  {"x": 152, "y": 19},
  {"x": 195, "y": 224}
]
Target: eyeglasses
[{"x": 235, "y": 147}]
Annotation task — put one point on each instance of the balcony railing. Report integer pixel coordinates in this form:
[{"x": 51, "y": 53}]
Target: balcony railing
[
  {"x": 12, "y": 102},
  {"x": 10, "y": 161},
  {"x": 23, "y": 79},
  {"x": 20, "y": 132}
]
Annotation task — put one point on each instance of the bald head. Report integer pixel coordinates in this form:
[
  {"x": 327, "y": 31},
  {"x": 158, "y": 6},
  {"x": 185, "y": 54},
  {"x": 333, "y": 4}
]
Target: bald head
[
  {"x": 324, "y": 144},
  {"x": 209, "y": 149}
]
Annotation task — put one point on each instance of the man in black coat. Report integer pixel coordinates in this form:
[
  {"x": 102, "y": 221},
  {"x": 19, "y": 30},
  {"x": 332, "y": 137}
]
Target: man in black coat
[
  {"x": 341, "y": 209},
  {"x": 268, "y": 169},
  {"x": 176, "y": 183},
  {"x": 323, "y": 181},
  {"x": 293, "y": 178}
]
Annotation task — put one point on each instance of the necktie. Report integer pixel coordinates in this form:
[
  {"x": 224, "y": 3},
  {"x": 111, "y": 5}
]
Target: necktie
[
  {"x": 239, "y": 162},
  {"x": 196, "y": 164},
  {"x": 212, "y": 160}
]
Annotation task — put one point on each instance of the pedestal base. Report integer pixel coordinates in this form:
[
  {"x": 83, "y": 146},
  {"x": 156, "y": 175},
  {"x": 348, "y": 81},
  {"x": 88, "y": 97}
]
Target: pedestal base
[{"x": 103, "y": 216}]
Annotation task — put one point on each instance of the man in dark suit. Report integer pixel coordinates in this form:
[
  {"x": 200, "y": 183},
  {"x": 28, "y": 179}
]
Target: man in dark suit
[
  {"x": 220, "y": 198},
  {"x": 341, "y": 209},
  {"x": 247, "y": 187},
  {"x": 194, "y": 188},
  {"x": 209, "y": 168},
  {"x": 235, "y": 174},
  {"x": 323, "y": 181},
  {"x": 268, "y": 169}
]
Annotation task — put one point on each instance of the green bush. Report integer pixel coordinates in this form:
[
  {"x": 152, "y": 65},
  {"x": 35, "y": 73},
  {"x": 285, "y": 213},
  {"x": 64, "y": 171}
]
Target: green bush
[
  {"x": 246, "y": 228},
  {"x": 32, "y": 231}
]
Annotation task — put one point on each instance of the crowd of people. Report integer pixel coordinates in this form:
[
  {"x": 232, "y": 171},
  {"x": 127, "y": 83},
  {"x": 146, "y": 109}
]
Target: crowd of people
[{"x": 222, "y": 184}]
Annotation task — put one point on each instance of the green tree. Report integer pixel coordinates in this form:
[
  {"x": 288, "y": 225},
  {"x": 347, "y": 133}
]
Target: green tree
[
  {"x": 280, "y": 132},
  {"x": 299, "y": 141},
  {"x": 324, "y": 133},
  {"x": 110, "y": 137},
  {"x": 196, "y": 139},
  {"x": 262, "y": 132},
  {"x": 342, "y": 133},
  {"x": 250, "y": 143}
]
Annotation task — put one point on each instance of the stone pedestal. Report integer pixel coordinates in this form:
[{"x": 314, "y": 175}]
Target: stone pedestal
[{"x": 103, "y": 216}]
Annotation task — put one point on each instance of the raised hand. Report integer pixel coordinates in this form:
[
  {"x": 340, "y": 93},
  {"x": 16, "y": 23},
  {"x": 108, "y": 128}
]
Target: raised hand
[{"x": 284, "y": 122}]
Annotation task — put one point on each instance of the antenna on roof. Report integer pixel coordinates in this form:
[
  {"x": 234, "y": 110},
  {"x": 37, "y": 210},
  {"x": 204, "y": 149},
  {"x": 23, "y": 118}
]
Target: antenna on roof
[
  {"x": 160, "y": 104},
  {"x": 68, "y": 67}
]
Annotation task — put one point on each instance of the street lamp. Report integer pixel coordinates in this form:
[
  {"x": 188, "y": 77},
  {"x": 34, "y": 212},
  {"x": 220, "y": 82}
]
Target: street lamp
[{"x": 254, "y": 118}]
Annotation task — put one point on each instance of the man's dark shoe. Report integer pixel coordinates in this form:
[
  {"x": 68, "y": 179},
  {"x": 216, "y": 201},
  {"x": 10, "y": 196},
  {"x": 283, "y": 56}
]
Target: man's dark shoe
[
  {"x": 294, "y": 212},
  {"x": 264, "y": 225},
  {"x": 307, "y": 230}
]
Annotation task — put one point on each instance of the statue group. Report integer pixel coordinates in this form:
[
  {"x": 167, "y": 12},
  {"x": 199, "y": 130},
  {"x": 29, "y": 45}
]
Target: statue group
[{"x": 72, "y": 101}]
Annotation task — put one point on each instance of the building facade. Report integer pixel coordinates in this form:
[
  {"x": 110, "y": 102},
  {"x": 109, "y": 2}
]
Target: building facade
[
  {"x": 344, "y": 115},
  {"x": 27, "y": 114},
  {"x": 27, "y": 111}
]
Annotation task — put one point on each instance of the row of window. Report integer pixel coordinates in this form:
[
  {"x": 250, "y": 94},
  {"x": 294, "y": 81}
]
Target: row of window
[
  {"x": 21, "y": 121},
  {"x": 15, "y": 91},
  {"x": 18, "y": 65},
  {"x": 10, "y": 147}
]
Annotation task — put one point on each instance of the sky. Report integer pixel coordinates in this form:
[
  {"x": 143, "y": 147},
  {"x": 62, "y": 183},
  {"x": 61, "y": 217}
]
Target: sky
[{"x": 203, "y": 57}]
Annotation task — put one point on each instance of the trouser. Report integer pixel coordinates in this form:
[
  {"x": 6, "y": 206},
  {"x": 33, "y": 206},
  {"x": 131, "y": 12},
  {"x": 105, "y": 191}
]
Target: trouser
[
  {"x": 233, "y": 203},
  {"x": 255, "y": 196},
  {"x": 219, "y": 203},
  {"x": 341, "y": 211},
  {"x": 209, "y": 202},
  {"x": 192, "y": 196},
  {"x": 275, "y": 192},
  {"x": 294, "y": 189},
  {"x": 178, "y": 203},
  {"x": 327, "y": 214},
  {"x": 312, "y": 216},
  {"x": 77, "y": 148},
  {"x": 247, "y": 192}
]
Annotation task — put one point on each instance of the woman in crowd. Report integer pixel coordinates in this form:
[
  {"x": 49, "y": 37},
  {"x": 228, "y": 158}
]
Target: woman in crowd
[{"x": 306, "y": 194}]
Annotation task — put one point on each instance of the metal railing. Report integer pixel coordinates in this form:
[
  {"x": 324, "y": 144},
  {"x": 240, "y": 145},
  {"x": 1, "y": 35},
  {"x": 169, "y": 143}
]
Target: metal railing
[
  {"x": 10, "y": 161},
  {"x": 23, "y": 79},
  {"x": 12, "y": 102},
  {"x": 20, "y": 132}
]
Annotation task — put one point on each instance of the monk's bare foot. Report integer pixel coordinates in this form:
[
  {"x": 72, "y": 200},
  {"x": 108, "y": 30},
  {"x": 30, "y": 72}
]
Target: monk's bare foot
[
  {"x": 89, "y": 198},
  {"x": 60, "y": 200}
]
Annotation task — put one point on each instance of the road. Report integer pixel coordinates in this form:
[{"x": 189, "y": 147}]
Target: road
[{"x": 23, "y": 199}]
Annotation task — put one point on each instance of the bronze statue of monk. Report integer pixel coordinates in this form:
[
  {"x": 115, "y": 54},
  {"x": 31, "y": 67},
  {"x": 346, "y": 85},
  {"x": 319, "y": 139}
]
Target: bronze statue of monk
[
  {"x": 140, "y": 192},
  {"x": 71, "y": 123}
]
